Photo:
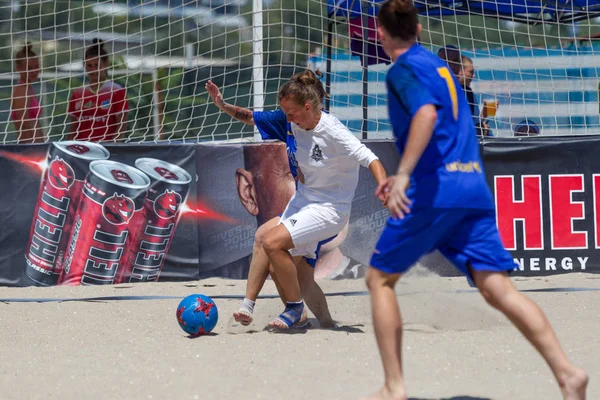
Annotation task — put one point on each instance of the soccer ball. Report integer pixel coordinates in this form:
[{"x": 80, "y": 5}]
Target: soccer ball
[{"x": 197, "y": 314}]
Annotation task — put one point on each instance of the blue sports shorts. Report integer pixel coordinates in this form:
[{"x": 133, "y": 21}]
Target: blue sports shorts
[{"x": 467, "y": 237}]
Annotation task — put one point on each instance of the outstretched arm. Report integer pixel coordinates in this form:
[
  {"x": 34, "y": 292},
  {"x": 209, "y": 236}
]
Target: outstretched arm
[{"x": 241, "y": 114}]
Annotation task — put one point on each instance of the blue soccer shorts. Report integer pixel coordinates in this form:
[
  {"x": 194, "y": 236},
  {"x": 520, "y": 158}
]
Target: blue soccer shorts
[{"x": 467, "y": 237}]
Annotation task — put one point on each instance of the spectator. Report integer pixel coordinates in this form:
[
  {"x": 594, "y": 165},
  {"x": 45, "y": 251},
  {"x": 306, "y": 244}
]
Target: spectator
[
  {"x": 99, "y": 109},
  {"x": 25, "y": 106},
  {"x": 465, "y": 77}
]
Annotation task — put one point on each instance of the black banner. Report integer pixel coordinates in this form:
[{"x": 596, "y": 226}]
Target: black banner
[
  {"x": 75, "y": 213},
  {"x": 546, "y": 191}
]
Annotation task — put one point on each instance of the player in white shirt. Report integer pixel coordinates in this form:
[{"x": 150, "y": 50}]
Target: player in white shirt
[
  {"x": 273, "y": 125},
  {"x": 329, "y": 156}
]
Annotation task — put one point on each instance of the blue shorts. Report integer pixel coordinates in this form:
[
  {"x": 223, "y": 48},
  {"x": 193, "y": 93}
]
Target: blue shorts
[{"x": 467, "y": 237}]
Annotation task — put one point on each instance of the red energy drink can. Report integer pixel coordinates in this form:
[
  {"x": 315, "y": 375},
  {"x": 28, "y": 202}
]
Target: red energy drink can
[
  {"x": 67, "y": 166},
  {"x": 112, "y": 194},
  {"x": 149, "y": 246}
]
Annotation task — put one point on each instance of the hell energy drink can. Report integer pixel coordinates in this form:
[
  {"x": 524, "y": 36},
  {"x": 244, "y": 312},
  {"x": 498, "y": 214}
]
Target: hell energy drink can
[
  {"x": 67, "y": 166},
  {"x": 112, "y": 194},
  {"x": 150, "y": 244}
]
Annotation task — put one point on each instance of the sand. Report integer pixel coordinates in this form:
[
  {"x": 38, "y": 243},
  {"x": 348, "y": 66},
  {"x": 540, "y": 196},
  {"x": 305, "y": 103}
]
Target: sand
[{"x": 455, "y": 345}]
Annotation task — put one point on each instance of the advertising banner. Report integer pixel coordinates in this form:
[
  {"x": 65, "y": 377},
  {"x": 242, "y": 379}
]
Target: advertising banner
[{"x": 79, "y": 213}]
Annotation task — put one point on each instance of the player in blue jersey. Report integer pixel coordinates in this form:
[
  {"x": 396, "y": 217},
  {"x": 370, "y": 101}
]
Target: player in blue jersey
[
  {"x": 439, "y": 199},
  {"x": 273, "y": 125}
]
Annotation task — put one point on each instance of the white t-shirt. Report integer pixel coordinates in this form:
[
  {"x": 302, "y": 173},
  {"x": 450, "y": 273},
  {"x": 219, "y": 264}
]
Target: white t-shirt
[{"x": 329, "y": 157}]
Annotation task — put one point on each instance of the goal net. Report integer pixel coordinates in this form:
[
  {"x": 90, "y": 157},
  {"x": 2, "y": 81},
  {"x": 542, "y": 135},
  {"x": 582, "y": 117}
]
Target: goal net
[{"x": 542, "y": 74}]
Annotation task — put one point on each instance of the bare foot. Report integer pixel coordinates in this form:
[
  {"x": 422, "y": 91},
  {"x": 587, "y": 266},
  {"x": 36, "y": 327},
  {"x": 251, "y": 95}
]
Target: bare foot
[
  {"x": 574, "y": 387},
  {"x": 386, "y": 394},
  {"x": 278, "y": 324},
  {"x": 243, "y": 317}
]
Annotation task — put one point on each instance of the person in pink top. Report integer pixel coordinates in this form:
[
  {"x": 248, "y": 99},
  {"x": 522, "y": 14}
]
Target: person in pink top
[{"x": 25, "y": 106}]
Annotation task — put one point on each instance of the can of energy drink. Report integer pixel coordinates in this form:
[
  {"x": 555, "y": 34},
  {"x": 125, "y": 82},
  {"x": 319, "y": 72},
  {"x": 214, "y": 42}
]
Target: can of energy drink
[
  {"x": 149, "y": 246},
  {"x": 67, "y": 166},
  {"x": 112, "y": 194}
]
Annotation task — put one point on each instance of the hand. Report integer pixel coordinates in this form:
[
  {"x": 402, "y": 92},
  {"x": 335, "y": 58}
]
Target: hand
[
  {"x": 214, "y": 93},
  {"x": 382, "y": 191},
  {"x": 395, "y": 189},
  {"x": 386, "y": 201},
  {"x": 482, "y": 128},
  {"x": 485, "y": 128}
]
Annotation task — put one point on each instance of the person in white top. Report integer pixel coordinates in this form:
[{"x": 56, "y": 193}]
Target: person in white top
[
  {"x": 329, "y": 157},
  {"x": 265, "y": 182}
]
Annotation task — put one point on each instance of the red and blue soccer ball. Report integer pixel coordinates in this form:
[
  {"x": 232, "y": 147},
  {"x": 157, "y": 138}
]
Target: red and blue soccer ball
[{"x": 197, "y": 314}]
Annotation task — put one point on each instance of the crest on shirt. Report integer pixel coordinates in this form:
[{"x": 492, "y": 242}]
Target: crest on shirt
[
  {"x": 316, "y": 154},
  {"x": 105, "y": 104}
]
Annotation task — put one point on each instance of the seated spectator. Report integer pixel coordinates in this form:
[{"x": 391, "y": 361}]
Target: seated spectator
[{"x": 527, "y": 128}]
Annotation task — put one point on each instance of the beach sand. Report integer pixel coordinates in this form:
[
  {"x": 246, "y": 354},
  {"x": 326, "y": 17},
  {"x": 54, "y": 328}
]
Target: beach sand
[{"x": 455, "y": 345}]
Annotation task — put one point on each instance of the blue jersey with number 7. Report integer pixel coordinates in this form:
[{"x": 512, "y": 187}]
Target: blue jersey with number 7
[{"x": 450, "y": 173}]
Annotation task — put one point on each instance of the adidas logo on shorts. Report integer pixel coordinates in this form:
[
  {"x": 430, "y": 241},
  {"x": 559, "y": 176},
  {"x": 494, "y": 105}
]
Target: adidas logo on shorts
[{"x": 293, "y": 222}]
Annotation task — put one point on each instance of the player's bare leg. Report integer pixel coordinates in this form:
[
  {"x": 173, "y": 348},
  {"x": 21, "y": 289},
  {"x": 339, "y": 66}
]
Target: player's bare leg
[
  {"x": 313, "y": 294},
  {"x": 304, "y": 320},
  {"x": 276, "y": 245},
  {"x": 297, "y": 260},
  {"x": 257, "y": 274},
  {"x": 387, "y": 323},
  {"x": 499, "y": 291}
]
